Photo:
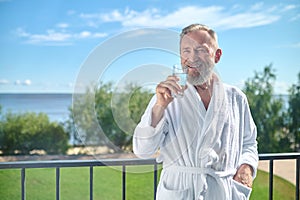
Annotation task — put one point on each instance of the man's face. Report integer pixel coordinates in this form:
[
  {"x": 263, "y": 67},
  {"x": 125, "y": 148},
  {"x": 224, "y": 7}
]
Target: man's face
[{"x": 196, "y": 51}]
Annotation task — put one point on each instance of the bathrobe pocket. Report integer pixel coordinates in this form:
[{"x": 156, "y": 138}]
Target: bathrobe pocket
[
  {"x": 165, "y": 193},
  {"x": 240, "y": 191}
]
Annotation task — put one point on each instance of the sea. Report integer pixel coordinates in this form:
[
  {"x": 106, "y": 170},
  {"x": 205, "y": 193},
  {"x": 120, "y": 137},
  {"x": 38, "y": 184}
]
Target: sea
[{"x": 56, "y": 106}]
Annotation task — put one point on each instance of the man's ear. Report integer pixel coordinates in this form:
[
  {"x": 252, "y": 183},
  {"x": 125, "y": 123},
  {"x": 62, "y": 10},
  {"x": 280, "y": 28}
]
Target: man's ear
[{"x": 218, "y": 55}]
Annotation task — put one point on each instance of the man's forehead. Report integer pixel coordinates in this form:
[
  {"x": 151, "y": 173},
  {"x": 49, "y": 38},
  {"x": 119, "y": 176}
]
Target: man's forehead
[
  {"x": 196, "y": 38},
  {"x": 195, "y": 46}
]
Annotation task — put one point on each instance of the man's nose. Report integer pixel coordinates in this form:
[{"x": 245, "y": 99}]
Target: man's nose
[{"x": 194, "y": 56}]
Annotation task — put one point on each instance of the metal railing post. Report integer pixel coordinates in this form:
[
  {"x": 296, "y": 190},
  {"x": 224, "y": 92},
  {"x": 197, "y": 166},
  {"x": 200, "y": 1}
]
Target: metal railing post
[
  {"x": 57, "y": 183},
  {"x": 91, "y": 182},
  {"x": 155, "y": 179},
  {"x": 124, "y": 182},
  {"x": 271, "y": 179},
  {"x": 23, "y": 184},
  {"x": 297, "y": 177}
]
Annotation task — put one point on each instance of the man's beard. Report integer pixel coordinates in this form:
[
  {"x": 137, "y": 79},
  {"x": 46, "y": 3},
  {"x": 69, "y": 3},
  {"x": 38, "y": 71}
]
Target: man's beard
[{"x": 203, "y": 74}]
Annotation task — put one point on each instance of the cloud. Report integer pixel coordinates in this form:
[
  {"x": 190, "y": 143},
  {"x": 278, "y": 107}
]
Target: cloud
[
  {"x": 17, "y": 82},
  {"x": 53, "y": 37},
  {"x": 281, "y": 87},
  {"x": 62, "y": 25},
  {"x": 257, "y": 6},
  {"x": 288, "y": 8},
  {"x": 48, "y": 37},
  {"x": 71, "y": 12},
  {"x": 4, "y": 82},
  {"x": 216, "y": 16},
  {"x": 294, "y": 45},
  {"x": 26, "y": 82},
  {"x": 88, "y": 34},
  {"x": 294, "y": 18}
]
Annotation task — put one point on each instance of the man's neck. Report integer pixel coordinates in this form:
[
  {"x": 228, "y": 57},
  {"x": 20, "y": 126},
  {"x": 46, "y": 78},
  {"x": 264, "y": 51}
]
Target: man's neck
[{"x": 205, "y": 92}]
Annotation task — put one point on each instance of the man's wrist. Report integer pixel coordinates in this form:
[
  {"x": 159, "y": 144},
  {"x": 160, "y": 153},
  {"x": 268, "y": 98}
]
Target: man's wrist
[
  {"x": 157, "y": 113},
  {"x": 159, "y": 106}
]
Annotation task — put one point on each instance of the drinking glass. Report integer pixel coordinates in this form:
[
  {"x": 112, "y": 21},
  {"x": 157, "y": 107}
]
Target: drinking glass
[{"x": 181, "y": 73}]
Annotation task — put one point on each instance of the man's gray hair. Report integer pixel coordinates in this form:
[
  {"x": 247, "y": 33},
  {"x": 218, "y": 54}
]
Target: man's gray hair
[{"x": 194, "y": 27}]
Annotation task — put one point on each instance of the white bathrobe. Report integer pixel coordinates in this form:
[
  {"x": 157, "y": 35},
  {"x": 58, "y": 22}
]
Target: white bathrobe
[{"x": 200, "y": 149}]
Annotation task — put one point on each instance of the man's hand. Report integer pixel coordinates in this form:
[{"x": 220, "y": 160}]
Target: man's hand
[
  {"x": 164, "y": 92},
  {"x": 244, "y": 175},
  {"x": 165, "y": 89}
]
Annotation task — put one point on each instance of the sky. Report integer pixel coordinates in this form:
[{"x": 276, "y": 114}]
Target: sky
[{"x": 44, "y": 44}]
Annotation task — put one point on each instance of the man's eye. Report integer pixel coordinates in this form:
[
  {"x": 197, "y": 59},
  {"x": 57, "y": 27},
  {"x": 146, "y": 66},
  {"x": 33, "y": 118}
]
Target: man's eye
[{"x": 202, "y": 50}]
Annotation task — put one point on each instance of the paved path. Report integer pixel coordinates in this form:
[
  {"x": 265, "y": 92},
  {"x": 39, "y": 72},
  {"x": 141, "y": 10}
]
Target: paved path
[{"x": 283, "y": 168}]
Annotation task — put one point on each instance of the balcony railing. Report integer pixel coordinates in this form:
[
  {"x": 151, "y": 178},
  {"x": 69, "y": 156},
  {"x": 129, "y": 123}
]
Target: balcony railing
[
  {"x": 281, "y": 156},
  {"x": 23, "y": 165}
]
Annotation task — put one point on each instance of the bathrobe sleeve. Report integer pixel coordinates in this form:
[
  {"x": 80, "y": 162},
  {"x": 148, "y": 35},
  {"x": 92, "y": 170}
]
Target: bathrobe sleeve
[
  {"x": 249, "y": 146},
  {"x": 147, "y": 139}
]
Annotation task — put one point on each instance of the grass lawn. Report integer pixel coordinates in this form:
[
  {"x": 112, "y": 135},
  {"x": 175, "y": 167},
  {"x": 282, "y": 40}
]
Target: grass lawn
[
  {"x": 282, "y": 189},
  {"x": 40, "y": 184}
]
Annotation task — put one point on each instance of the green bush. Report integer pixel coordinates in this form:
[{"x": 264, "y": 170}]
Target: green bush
[{"x": 24, "y": 132}]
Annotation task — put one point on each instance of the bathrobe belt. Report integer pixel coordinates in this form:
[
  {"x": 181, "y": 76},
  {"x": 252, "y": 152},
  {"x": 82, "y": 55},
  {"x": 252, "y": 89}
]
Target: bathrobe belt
[{"x": 204, "y": 171}]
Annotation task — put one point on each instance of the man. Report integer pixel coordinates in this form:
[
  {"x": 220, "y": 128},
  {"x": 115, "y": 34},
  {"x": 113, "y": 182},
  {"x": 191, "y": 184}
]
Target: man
[{"x": 207, "y": 138}]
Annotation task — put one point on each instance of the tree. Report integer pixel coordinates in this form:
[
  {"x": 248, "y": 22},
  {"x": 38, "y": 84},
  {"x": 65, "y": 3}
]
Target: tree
[
  {"x": 117, "y": 114},
  {"x": 81, "y": 125},
  {"x": 293, "y": 122},
  {"x": 1, "y": 129},
  {"x": 119, "y": 111},
  {"x": 139, "y": 100},
  {"x": 266, "y": 111},
  {"x": 25, "y": 132}
]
